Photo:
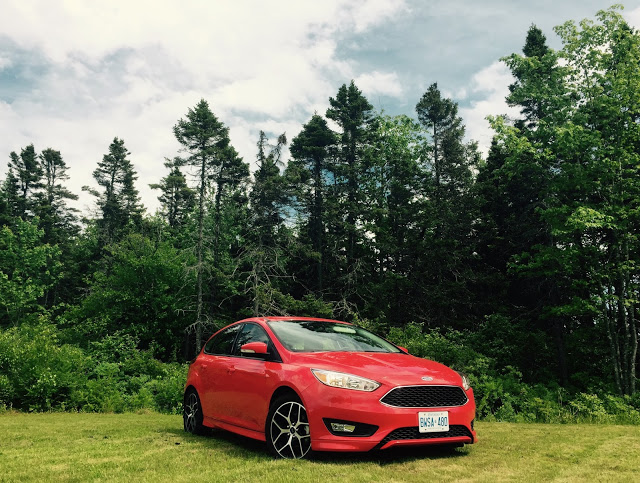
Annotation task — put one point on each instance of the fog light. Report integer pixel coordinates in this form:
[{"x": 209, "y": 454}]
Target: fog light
[{"x": 343, "y": 428}]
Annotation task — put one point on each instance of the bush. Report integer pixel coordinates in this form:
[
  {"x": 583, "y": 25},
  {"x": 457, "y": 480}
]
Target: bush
[
  {"x": 128, "y": 379},
  {"x": 36, "y": 371}
]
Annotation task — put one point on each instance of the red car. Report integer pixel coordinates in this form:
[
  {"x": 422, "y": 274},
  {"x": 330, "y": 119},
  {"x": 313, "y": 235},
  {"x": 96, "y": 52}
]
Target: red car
[{"x": 303, "y": 384}]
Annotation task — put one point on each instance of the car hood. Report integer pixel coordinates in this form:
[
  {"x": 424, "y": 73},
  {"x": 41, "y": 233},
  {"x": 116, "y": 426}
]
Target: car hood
[{"x": 391, "y": 369}]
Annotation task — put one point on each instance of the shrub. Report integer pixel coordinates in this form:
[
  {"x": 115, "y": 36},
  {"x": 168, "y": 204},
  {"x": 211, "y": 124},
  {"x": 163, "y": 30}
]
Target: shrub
[{"x": 36, "y": 371}]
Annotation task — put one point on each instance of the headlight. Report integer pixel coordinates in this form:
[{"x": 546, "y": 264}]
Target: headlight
[
  {"x": 466, "y": 383},
  {"x": 345, "y": 381}
]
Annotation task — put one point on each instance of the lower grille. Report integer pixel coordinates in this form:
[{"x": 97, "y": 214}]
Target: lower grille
[{"x": 456, "y": 430}]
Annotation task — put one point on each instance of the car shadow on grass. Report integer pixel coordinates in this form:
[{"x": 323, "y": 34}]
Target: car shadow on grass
[{"x": 237, "y": 445}]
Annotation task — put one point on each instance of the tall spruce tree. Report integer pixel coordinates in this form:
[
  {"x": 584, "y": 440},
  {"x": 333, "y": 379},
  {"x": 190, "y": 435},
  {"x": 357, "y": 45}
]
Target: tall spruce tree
[
  {"x": 217, "y": 167},
  {"x": 118, "y": 202},
  {"x": 177, "y": 199},
  {"x": 539, "y": 90},
  {"x": 392, "y": 190},
  {"x": 269, "y": 193},
  {"x": 267, "y": 236},
  {"x": 9, "y": 199},
  {"x": 447, "y": 213},
  {"x": 353, "y": 114},
  {"x": 28, "y": 173},
  {"x": 311, "y": 170},
  {"x": 56, "y": 218}
]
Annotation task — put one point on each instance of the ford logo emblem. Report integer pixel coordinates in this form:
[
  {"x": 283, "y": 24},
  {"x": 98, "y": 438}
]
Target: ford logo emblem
[{"x": 427, "y": 378}]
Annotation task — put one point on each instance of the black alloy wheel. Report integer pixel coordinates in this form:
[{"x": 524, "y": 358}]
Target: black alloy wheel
[{"x": 192, "y": 413}]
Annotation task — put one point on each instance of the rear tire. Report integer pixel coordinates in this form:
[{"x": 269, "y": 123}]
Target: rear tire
[
  {"x": 287, "y": 429},
  {"x": 192, "y": 413}
]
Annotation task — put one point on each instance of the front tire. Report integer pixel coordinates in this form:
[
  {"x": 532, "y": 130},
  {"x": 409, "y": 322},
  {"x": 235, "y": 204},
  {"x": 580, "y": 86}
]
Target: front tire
[
  {"x": 192, "y": 413},
  {"x": 287, "y": 429}
]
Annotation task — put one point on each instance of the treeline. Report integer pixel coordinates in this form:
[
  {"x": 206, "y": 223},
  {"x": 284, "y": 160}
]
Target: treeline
[{"x": 526, "y": 262}]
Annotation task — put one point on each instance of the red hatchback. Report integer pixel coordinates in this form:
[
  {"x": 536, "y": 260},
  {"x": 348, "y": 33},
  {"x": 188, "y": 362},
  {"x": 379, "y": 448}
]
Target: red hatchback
[{"x": 303, "y": 384}]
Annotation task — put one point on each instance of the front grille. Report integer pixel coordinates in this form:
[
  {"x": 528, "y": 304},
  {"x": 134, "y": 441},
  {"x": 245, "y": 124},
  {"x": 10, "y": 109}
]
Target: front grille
[
  {"x": 425, "y": 397},
  {"x": 413, "y": 432}
]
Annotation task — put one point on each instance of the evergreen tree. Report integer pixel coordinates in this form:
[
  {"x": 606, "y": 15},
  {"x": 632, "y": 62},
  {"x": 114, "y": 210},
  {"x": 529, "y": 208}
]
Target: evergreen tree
[
  {"x": 392, "y": 190},
  {"x": 267, "y": 237},
  {"x": 217, "y": 167},
  {"x": 310, "y": 171},
  {"x": 9, "y": 199},
  {"x": 269, "y": 194},
  {"x": 447, "y": 213},
  {"x": 57, "y": 220},
  {"x": 119, "y": 202},
  {"x": 177, "y": 199},
  {"x": 28, "y": 173},
  {"x": 540, "y": 92},
  {"x": 354, "y": 115}
]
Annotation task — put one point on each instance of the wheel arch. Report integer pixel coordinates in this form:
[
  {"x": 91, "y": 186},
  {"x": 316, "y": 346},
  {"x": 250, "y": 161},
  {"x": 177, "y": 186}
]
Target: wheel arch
[
  {"x": 284, "y": 391},
  {"x": 189, "y": 387}
]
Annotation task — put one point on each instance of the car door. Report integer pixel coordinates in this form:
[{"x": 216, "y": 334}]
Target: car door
[
  {"x": 250, "y": 380},
  {"x": 215, "y": 364}
]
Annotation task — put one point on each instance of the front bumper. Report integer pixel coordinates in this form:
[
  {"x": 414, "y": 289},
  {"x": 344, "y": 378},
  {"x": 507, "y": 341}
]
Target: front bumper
[{"x": 396, "y": 426}]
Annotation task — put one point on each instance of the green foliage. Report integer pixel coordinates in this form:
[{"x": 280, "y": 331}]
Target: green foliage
[
  {"x": 39, "y": 373},
  {"x": 36, "y": 371},
  {"x": 142, "y": 292},
  {"x": 28, "y": 268}
]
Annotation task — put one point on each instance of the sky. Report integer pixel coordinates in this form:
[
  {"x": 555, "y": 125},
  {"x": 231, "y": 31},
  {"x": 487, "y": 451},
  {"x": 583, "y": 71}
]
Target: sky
[{"x": 74, "y": 74}]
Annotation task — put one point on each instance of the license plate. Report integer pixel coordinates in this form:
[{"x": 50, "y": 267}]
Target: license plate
[{"x": 433, "y": 422}]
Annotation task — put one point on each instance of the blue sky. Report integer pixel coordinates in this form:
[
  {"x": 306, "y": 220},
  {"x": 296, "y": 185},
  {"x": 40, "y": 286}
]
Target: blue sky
[{"x": 76, "y": 73}]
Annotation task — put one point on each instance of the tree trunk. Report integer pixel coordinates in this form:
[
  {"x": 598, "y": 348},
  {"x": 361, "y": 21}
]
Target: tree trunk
[{"x": 199, "y": 269}]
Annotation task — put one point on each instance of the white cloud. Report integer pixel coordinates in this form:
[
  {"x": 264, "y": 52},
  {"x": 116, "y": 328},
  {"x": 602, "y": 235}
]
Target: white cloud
[
  {"x": 379, "y": 83},
  {"x": 491, "y": 85},
  {"x": 633, "y": 17}
]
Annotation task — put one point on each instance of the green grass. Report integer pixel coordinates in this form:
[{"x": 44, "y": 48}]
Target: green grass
[{"x": 153, "y": 447}]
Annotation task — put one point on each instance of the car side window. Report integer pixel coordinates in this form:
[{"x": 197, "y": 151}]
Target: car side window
[
  {"x": 222, "y": 343},
  {"x": 250, "y": 333}
]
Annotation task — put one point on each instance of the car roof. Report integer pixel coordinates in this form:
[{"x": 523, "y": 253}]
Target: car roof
[{"x": 292, "y": 318}]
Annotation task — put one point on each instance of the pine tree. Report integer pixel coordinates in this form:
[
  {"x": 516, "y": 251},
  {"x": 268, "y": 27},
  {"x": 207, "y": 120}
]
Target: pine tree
[
  {"x": 354, "y": 115},
  {"x": 56, "y": 218},
  {"x": 177, "y": 199},
  {"x": 9, "y": 199},
  {"x": 310, "y": 171},
  {"x": 218, "y": 168},
  {"x": 447, "y": 212},
  {"x": 28, "y": 173},
  {"x": 119, "y": 202}
]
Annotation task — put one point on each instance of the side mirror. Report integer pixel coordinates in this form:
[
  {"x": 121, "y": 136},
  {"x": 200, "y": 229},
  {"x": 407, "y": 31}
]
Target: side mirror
[
  {"x": 254, "y": 349},
  {"x": 403, "y": 349}
]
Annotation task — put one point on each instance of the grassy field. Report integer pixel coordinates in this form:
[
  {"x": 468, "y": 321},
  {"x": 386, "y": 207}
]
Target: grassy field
[{"x": 146, "y": 447}]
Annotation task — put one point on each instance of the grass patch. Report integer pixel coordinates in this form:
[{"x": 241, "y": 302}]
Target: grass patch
[{"x": 146, "y": 447}]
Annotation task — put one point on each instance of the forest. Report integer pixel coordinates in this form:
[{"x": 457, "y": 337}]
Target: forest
[{"x": 521, "y": 268}]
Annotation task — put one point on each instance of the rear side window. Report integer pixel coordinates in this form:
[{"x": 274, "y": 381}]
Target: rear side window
[{"x": 222, "y": 343}]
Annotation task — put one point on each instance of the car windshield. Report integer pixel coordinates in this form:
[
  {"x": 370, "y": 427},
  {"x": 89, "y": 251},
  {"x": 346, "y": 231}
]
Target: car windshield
[{"x": 318, "y": 336}]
